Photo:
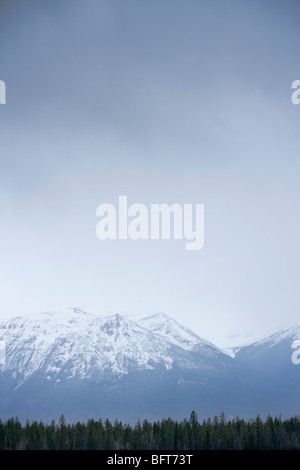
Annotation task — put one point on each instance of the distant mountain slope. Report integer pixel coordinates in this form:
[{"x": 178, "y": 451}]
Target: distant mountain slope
[{"x": 272, "y": 355}]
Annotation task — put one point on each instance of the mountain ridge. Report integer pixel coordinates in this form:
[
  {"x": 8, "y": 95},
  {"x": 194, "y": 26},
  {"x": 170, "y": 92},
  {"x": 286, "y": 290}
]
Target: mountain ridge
[{"x": 128, "y": 367}]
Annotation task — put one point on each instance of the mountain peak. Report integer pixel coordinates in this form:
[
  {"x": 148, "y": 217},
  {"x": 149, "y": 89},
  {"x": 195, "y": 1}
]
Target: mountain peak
[
  {"x": 165, "y": 326},
  {"x": 78, "y": 310},
  {"x": 292, "y": 332}
]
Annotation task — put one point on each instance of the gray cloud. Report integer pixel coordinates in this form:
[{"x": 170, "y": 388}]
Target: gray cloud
[{"x": 166, "y": 102}]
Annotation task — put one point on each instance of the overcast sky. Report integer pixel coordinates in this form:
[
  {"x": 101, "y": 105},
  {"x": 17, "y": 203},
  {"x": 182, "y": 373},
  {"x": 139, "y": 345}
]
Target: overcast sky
[{"x": 163, "y": 101}]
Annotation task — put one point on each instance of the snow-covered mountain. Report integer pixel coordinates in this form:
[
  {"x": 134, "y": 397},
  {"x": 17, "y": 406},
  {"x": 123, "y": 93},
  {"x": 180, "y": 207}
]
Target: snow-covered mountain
[
  {"x": 273, "y": 354},
  {"x": 126, "y": 367},
  {"x": 76, "y": 344}
]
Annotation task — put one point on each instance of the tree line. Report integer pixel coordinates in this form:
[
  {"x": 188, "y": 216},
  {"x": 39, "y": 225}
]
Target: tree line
[{"x": 189, "y": 434}]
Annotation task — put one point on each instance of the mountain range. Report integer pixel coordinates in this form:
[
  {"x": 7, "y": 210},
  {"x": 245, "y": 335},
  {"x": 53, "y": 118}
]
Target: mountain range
[{"x": 133, "y": 367}]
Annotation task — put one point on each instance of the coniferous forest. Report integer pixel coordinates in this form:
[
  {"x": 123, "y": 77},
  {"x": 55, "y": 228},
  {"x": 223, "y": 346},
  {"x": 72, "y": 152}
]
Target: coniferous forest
[{"x": 212, "y": 434}]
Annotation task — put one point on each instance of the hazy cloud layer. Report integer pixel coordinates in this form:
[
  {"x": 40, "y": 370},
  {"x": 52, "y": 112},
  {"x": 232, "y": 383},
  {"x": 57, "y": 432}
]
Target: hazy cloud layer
[{"x": 162, "y": 101}]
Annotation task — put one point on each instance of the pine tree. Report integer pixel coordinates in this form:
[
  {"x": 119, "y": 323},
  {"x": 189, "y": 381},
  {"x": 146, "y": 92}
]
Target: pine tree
[
  {"x": 208, "y": 444},
  {"x": 92, "y": 435},
  {"x": 195, "y": 444},
  {"x": 138, "y": 436},
  {"x": 50, "y": 436},
  {"x": 62, "y": 434},
  {"x": 118, "y": 434},
  {"x": 147, "y": 436},
  {"x": 109, "y": 435}
]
